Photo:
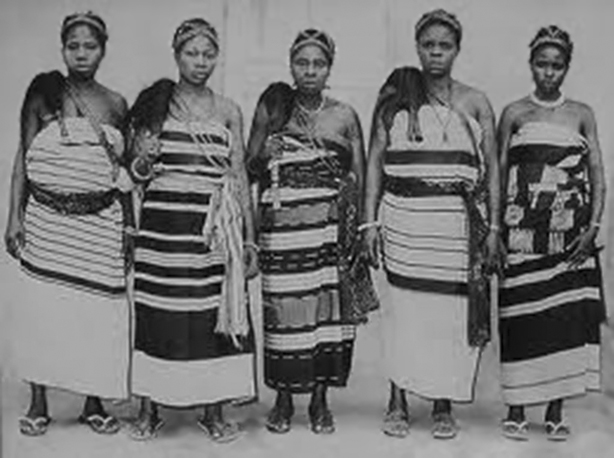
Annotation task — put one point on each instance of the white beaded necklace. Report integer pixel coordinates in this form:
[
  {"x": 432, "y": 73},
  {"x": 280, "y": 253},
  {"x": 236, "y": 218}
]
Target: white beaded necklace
[{"x": 550, "y": 105}]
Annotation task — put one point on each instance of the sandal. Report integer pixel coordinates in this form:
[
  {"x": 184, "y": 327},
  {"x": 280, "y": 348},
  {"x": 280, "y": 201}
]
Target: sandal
[
  {"x": 100, "y": 424},
  {"x": 34, "y": 427},
  {"x": 221, "y": 432},
  {"x": 278, "y": 421},
  {"x": 396, "y": 424},
  {"x": 558, "y": 432},
  {"x": 144, "y": 429},
  {"x": 444, "y": 426},
  {"x": 515, "y": 430},
  {"x": 322, "y": 421}
]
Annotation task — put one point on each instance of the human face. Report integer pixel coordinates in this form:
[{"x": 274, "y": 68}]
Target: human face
[
  {"x": 310, "y": 69},
  {"x": 196, "y": 60},
  {"x": 549, "y": 67},
  {"x": 437, "y": 49},
  {"x": 82, "y": 52}
]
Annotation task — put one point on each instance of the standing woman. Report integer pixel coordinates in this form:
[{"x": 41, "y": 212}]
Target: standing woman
[
  {"x": 66, "y": 225},
  {"x": 195, "y": 244},
  {"x": 432, "y": 165},
  {"x": 305, "y": 147},
  {"x": 550, "y": 300}
]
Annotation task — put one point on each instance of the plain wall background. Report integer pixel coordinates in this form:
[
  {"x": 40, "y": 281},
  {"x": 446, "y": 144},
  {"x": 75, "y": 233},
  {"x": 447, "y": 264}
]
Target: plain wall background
[{"x": 372, "y": 37}]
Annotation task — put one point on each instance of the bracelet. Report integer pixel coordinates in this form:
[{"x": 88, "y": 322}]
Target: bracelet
[
  {"x": 252, "y": 245},
  {"x": 494, "y": 227},
  {"x": 364, "y": 226},
  {"x": 130, "y": 230},
  {"x": 596, "y": 224}
]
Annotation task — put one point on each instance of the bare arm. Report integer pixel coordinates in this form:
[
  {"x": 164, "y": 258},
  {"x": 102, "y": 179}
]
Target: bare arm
[
  {"x": 237, "y": 159},
  {"x": 505, "y": 129},
  {"x": 30, "y": 125},
  {"x": 486, "y": 118},
  {"x": 373, "y": 180},
  {"x": 358, "y": 148},
  {"x": 595, "y": 166}
]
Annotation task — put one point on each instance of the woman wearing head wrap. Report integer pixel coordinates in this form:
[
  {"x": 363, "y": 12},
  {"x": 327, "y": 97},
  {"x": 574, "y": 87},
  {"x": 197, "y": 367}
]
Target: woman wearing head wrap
[
  {"x": 433, "y": 168},
  {"x": 71, "y": 328},
  {"x": 550, "y": 299},
  {"x": 306, "y": 150},
  {"x": 194, "y": 247}
]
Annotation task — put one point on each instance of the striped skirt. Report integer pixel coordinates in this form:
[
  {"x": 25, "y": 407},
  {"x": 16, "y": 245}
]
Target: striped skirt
[
  {"x": 425, "y": 310},
  {"x": 549, "y": 329},
  {"x": 179, "y": 359},
  {"x": 306, "y": 341}
]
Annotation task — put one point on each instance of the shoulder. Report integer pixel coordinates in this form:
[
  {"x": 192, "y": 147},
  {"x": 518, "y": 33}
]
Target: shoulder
[
  {"x": 515, "y": 109},
  {"x": 116, "y": 102},
  {"x": 584, "y": 110},
  {"x": 342, "y": 110},
  {"x": 226, "y": 105},
  {"x": 472, "y": 96}
]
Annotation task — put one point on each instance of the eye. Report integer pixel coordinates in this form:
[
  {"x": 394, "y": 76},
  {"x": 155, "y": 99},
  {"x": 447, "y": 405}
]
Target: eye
[
  {"x": 91, "y": 46},
  {"x": 73, "y": 46},
  {"x": 320, "y": 64},
  {"x": 446, "y": 45},
  {"x": 558, "y": 66}
]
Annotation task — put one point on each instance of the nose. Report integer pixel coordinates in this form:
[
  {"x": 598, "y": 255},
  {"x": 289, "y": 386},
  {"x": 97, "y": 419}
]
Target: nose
[{"x": 81, "y": 53}]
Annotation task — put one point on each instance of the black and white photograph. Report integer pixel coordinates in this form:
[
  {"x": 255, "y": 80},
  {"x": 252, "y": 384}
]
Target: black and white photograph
[{"x": 297, "y": 228}]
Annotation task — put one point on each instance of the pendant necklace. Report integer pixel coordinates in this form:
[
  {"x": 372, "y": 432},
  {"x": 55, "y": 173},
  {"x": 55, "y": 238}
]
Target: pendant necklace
[{"x": 447, "y": 104}]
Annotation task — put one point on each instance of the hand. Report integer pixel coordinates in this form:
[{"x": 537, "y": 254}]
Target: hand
[
  {"x": 250, "y": 260},
  {"x": 14, "y": 237},
  {"x": 495, "y": 253},
  {"x": 581, "y": 247},
  {"x": 273, "y": 149},
  {"x": 372, "y": 245}
]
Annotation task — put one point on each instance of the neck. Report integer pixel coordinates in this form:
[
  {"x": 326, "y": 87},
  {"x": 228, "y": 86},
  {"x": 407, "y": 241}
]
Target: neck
[
  {"x": 310, "y": 101},
  {"x": 439, "y": 85},
  {"x": 548, "y": 96},
  {"x": 81, "y": 81},
  {"x": 190, "y": 89}
]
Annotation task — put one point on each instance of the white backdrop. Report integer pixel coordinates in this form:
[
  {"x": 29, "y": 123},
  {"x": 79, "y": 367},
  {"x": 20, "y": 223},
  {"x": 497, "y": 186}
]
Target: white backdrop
[{"x": 372, "y": 37}]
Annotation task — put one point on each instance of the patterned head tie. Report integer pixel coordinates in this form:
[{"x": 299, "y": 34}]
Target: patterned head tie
[
  {"x": 553, "y": 36},
  {"x": 315, "y": 37},
  {"x": 88, "y": 18},
  {"x": 193, "y": 28},
  {"x": 440, "y": 16}
]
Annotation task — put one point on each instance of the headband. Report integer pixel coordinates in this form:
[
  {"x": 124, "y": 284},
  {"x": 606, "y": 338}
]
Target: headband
[
  {"x": 315, "y": 37},
  {"x": 554, "y": 36},
  {"x": 87, "y": 18},
  {"x": 440, "y": 16},
  {"x": 193, "y": 28}
]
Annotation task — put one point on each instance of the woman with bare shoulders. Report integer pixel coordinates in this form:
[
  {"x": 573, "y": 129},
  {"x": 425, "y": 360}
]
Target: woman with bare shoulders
[
  {"x": 432, "y": 166},
  {"x": 67, "y": 214},
  {"x": 550, "y": 299},
  {"x": 194, "y": 247},
  {"x": 306, "y": 150}
]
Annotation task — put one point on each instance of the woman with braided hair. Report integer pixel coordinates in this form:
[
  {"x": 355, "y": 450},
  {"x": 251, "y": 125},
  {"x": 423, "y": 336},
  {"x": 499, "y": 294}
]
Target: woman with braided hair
[
  {"x": 551, "y": 302},
  {"x": 68, "y": 223},
  {"x": 306, "y": 149},
  {"x": 432, "y": 169},
  {"x": 194, "y": 247}
]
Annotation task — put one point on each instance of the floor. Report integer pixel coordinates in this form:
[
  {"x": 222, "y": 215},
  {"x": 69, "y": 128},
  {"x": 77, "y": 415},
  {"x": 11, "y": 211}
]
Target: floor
[{"x": 358, "y": 410}]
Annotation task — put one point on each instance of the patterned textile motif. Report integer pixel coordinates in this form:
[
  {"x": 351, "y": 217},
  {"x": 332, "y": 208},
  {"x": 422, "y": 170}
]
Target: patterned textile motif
[
  {"x": 549, "y": 314},
  {"x": 307, "y": 340},
  {"x": 69, "y": 237}
]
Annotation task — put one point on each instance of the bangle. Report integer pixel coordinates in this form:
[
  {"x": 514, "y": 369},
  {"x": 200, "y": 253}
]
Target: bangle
[
  {"x": 364, "y": 226},
  {"x": 494, "y": 227},
  {"x": 130, "y": 230},
  {"x": 252, "y": 245},
  {"x": 595, "y": 224}
]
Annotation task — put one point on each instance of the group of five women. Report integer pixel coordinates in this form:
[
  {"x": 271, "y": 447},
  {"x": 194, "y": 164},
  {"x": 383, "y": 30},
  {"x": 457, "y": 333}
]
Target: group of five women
[{"x": 153, "y": 204}]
